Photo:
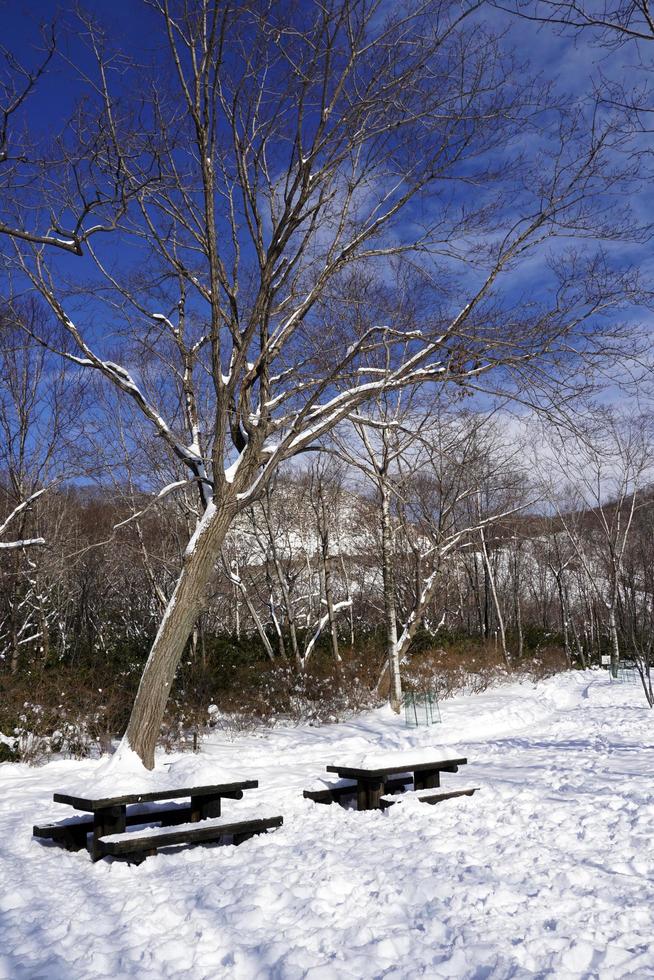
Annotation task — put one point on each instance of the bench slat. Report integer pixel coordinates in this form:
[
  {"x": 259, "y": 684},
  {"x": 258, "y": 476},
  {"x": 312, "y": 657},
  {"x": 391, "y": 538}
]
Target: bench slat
[
  {"x": 336, "y": 792},
  {"x": 204, "y": 831},
  {"x": 426, "y": 796},
  {"x": 438, "y": 765},
  {"x": 330, "y": 793}
]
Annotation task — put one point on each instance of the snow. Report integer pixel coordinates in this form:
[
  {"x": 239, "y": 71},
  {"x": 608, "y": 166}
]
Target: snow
[
  {"x": 123, "y": 774},
  {"x": 547, "y": 871},
  {"x": 21, "y": 507},
  {"x": 202, "y": 526},
  {"x": 406, "y": 759},
  {"x": 232, "y": 469},
  {"x": 163, "y": 319},
  {"x": 22, "y": 543}
]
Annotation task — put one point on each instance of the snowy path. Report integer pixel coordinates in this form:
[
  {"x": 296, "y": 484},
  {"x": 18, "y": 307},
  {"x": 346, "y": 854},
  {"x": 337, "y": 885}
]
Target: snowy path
[{"x": 548, "y": 871}]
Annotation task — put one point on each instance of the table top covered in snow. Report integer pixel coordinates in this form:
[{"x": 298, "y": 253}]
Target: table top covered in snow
[
  {"x": 395, "y": 763},
  {"x": 90, "y": 804}
]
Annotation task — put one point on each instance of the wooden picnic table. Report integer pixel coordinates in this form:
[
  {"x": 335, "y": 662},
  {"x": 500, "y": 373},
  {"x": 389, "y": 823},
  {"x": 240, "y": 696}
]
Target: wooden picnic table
[
  {"x": 372, "y": 779},
  {"x": 110, "y": 814}
]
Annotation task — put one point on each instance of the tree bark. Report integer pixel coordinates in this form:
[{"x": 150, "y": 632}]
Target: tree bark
[
  {"x": 184, "y": 607},
  {"x": 615, "y": 644}
]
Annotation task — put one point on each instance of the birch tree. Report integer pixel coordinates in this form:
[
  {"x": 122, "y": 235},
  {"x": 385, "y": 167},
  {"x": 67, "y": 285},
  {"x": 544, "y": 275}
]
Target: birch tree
[{"x": 204, "y": 217}]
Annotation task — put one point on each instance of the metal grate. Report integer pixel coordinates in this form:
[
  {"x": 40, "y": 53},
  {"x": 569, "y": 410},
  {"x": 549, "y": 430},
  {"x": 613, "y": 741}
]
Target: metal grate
[
  {"x": 626, "y": 673},
  {"x": 421, "y": 708}
]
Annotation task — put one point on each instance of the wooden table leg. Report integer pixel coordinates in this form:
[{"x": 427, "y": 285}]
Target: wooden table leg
[
  {"x": 109, "y": 820},
  {"x": 368, "y": 793},
  {"x": 204, "y": 807},
  {"x": 427, "y": 779}
]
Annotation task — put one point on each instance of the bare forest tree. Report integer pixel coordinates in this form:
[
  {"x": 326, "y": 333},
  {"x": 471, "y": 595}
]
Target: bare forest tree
[
  {"x": 226, "y": 236},
  {"x": 608, "y": 467},
  {"x": 429, "y": 465},
  {"x": 636, "y": 606},
  {"x": 40, "y": 408}
]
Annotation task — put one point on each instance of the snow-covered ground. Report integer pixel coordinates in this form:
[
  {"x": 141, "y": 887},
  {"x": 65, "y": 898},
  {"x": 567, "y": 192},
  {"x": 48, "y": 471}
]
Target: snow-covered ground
[{"x": 547, "y": 871}]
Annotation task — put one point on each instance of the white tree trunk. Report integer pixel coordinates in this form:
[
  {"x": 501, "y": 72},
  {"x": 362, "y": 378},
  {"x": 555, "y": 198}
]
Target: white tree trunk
[
  {"x": 327, "y": 576},
  {"x": 615, "y": 645},
  {"x": 496, "y": 602},
  {"x": 395, "y": 693}
]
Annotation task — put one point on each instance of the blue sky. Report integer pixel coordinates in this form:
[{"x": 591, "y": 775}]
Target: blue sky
[
  {"x": 570, "y": 65},
  {"x": 130, "y": 22}
]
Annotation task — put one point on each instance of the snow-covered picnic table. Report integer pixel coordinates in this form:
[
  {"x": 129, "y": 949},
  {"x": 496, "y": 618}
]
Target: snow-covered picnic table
[
  {"x": 111, "y": 816},
  {"x": 372, "y": 774}
]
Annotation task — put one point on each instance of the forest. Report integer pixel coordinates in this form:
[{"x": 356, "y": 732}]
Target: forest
[{"x": 470, "y": 549}]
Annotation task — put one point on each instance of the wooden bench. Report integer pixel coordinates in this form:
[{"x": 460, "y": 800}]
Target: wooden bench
[
  {"x": 347, "y": 788},
  {"x": 71, "y": 834},
  {"x": 426, "y": 796},
  {"x": 138, "y": 846}
]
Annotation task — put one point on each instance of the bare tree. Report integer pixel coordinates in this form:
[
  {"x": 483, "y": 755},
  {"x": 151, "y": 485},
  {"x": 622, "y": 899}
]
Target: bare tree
[
  {"x": 385, "y": 435},
  {"x": 40, "y": 411},
  {"x": 325, "y": 483},
  {"x": 637, "y": 598},
  {"x": 18, "y": 164},
  {"x": 429, "y": 464},
  {"x": 613, "y": 22},
  {"x": 608, "y": 463},
  {"x": 286, "y": 151}
]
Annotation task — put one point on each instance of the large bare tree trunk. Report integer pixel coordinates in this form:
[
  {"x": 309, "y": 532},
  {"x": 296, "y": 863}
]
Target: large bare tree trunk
[{"x": 180, "y": 617}]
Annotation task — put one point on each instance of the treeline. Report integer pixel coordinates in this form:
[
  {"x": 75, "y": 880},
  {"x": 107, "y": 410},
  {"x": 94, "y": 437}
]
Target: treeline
[{"x": 456, "y": 556}]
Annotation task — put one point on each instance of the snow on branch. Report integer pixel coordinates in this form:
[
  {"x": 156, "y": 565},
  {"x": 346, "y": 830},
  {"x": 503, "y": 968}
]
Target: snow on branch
[
  {"x": 19, "y": 509},
  {"x": 120, "y": 377},
  {"x": 67, "y": 244},
  {"x": 24, "y": 543},
  {"x": 322, "y": 622},
  {"x": 164, "y": 492}
]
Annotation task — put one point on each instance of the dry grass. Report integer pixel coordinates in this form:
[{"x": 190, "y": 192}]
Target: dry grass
[{"x": 73, "y": 713}]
